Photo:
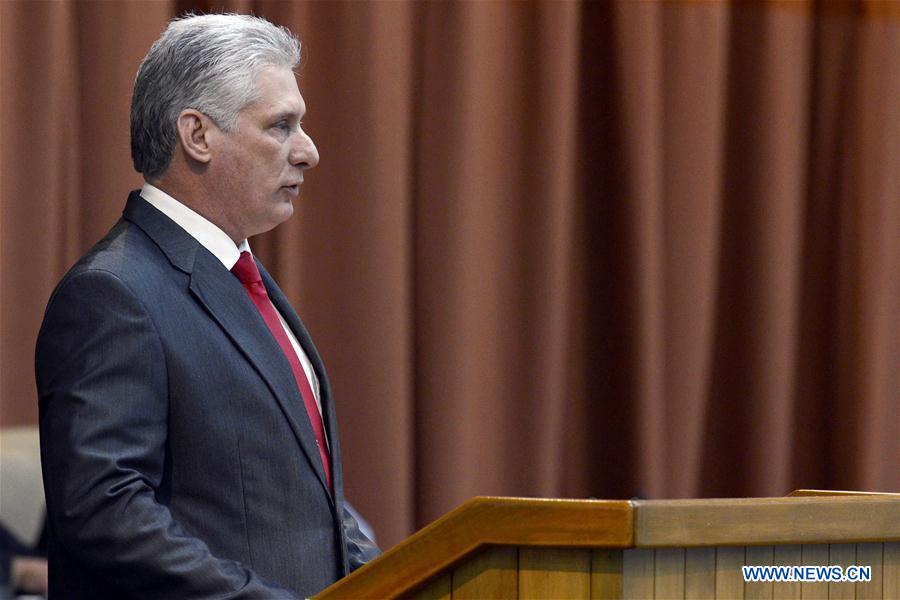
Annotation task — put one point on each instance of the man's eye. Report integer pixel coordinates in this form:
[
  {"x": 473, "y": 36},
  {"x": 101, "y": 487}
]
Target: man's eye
[{"x": 283, "y": 126}]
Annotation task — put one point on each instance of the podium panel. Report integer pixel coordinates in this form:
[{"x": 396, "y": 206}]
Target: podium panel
[
  {"x": 501, "y": 548},
  {"x": 664, "y": 573}
]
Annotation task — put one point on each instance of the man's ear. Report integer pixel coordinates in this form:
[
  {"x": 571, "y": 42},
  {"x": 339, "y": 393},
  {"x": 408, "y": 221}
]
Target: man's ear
[{"x": 193, "y": 129}]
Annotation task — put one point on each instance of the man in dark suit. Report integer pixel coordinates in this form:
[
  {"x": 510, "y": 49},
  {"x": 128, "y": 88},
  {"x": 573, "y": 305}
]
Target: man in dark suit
[{"x": 188, "y": 433}]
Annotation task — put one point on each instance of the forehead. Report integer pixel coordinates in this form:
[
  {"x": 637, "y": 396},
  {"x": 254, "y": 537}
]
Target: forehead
[{"x": 277, "y": 92}]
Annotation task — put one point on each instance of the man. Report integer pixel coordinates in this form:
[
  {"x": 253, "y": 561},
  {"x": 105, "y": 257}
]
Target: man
[{"x": 188, "y": 434}]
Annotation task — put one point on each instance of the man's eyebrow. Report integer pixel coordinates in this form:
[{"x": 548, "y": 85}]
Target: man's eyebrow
[{"x": 288, "y": 113}]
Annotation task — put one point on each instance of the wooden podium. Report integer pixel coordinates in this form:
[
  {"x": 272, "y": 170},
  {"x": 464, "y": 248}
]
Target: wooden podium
[{"x": 560, "y": 549}]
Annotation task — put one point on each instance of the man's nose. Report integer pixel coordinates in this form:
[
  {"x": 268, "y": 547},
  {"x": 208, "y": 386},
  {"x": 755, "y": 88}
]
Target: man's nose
[{"x": 304, "y": 153}]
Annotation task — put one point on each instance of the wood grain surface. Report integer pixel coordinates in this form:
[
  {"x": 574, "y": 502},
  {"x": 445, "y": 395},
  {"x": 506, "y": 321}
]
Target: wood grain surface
[
  {"x": 554, "y": 573},
  {"x": 606, "y": 574},
  {"x": 488, "y": 521},
  {"x": 489, "y": 575},
  {"x": 518, "y": 547},
  {"x": 766, "y": 521}
]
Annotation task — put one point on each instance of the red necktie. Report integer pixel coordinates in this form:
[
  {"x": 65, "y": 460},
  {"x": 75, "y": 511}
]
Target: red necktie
[{"x": 247, "y": 273}]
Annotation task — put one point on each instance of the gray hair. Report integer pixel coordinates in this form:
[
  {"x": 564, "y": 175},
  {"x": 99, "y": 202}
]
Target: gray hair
[{"x": 207, "y": 63}]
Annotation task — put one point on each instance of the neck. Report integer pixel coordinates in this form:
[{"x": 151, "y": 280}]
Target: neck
[{"x": 193, "y": 194}]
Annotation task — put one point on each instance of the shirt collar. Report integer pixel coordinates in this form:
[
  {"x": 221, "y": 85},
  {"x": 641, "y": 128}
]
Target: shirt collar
[{"x": 201, "y": 229}]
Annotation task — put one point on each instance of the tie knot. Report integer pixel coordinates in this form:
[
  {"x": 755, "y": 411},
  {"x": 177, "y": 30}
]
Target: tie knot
[{"x": 245, "y": 269}]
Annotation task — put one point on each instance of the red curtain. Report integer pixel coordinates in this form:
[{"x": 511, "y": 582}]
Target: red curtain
[{"x": 552, "y": 248}]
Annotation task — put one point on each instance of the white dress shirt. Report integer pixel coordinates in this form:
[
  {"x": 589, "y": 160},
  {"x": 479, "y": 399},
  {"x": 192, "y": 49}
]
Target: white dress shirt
[{"x": 222, "y": 247}]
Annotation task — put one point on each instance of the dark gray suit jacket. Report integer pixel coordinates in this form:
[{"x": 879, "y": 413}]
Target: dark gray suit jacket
[{"x": 178, "y": 458}]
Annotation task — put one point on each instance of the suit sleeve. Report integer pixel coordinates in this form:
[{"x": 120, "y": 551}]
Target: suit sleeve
[{"x": 103, "y": 393}]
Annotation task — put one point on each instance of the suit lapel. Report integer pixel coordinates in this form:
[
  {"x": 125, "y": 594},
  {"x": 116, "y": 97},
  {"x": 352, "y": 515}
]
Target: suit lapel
[
  {"x": 225, "y": 299},
  {"x": 325, "y": 396},
  {"x": 284, "y": 307}
]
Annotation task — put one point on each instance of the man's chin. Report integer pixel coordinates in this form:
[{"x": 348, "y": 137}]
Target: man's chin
[
  {"x": 284, "y": 212},
  {"x": 276, "y": 218}
]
